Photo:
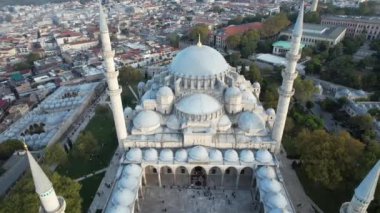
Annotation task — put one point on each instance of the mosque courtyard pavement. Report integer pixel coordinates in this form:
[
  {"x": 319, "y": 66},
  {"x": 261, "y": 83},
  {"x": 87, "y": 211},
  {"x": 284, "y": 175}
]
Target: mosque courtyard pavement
[{"x": 186, "y": 200}]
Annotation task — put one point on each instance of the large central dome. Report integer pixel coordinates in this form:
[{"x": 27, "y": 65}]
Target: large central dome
[{"x": 198, "y": 60}]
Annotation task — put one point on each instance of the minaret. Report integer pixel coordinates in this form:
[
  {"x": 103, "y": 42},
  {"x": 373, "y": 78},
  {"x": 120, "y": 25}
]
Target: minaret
[
  {"x": 50, "y": 202},
  {"x": 364, "y": 194},
  {"x": 286, "y": 90},
  {"x": 114, "y": 90},
  {"x": 314, "y": 6}
]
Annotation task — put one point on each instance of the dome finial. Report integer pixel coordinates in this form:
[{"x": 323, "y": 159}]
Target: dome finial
[{"x": 199, "y": 44}]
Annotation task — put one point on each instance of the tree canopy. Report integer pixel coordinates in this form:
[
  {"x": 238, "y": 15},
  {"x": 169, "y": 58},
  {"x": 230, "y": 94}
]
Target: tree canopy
[
  {"x": 199, "y": 30},
  {"x": 253, "y": 74},
  {"x": 55, "y": 154},
  {"x": 8, "y": 147},
  {"x": 130, "y": 75},
  {"x": 328, "y": 159},
  {"x": 85, "y": 146},
  {"x": 274, "y": 24},
  {"x": 304, "y": 90},
  {"x": 23, "y": 198}
]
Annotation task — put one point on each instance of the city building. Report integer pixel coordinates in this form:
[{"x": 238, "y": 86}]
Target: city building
[
  {"x": 315, "y": 33},
  {"x": 369, "y": 27},
  {"x": 282, "y": 47},
  {"x": 220, "y": 37}
]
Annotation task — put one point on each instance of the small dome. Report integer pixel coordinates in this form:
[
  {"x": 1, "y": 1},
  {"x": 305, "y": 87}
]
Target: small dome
[
  {"x": 181, "y": 155},
  {"x": 249, "y": 121},
  {"x": 198, "y": 61},
  {"x": 118, "y": 209},
  {"x": 166, "y": 155},
  {"x": 164, "y": 91},
  {"x": 132, "y": 170},
  {"x": 231, "y": 92},
  {"x": 271, "y": 112},
  {"x": 134, "y": 154},
  {"x": 198, "y": 104},
  {"x": 128, "y": 111},
  {"x": 150, "y": 155},
  {"x": 246, "y": 156},
  {"x": 146, "y": 120},
  {"x": 276, "y": 200},
  {"x": 216, "y": 155},
  {"x": 173, "y": 122},
  {"x": 270, "y": 185},
  {"x": 141, "y": 85},
  {"x": 264, "y": 156},
  {"x": 256, "y": 85},
  {"x": 123, "y": 197},
  {"x": 231, "y": 156},
  {"x": 248, "y": 96},
  {"x": 224, "y": 122},
  {"x": 128, "y": 182},
  {"x": 198, "y": 153},
  {"x": 266, "y": 172}
]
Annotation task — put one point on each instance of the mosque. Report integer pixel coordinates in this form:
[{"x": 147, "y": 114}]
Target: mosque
[{"x": 200, "y": 124}]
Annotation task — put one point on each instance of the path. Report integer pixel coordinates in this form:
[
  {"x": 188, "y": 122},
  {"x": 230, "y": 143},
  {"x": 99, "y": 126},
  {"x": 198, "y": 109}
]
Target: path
[
  {"x": 90, "y": 175},
  {"x": 301, "y": 201}
]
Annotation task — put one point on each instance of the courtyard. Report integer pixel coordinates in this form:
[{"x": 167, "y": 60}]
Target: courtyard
[{"x": 182, "y": 199}]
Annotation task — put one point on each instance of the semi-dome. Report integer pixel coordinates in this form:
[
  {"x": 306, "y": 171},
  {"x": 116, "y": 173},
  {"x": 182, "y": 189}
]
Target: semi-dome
[
  {"x": 248, "y": 96},
  {"x": 132, "y": 170},
  {"x": 166, "y": 155},
  {"x": 256, "y": 85},
  {"x": 231, "y": 156},
  {"x": 164, "y": 92},
  {"x": 264, "y": 156},
  {"x": 247, "y": 156},
  {"x": 173, "y": 122},
  {"x": 276, "y": 200},
  {"x": 118, "y": 209},
  {"x": 198, "y": 104},
  {"x": 215, "y": 155},
  {"x": 128, "y": 182},
  {"x": 232, "y": 92},
  {"x": 123, "y": 197},
  {"x": 146, "y": 120},
  {"x": 271, "y": 112},
  {"x": 181, "y": 155},
  {"x": 224, "y": 123},
  {"x": 150, "y": 155},
  {"x": 270, "y": 185},
  {"x": 198, "y": 153},
  {"x": 250, "y": 122},
  {"x": 198, "y": 61},
  {"x": 134, "y": 154},
  {"x": 266, "y": 172}
]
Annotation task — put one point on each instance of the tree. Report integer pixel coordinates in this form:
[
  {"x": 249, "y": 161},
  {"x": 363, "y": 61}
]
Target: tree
[
  {"x": 314, "y": 66},
  {"x": 233, "y": 41},
  {"x": 274, "y": 24},
  {"x": 85, "y": 146},
  {"x": 361, "y": 122},
  {"x": 304, "y": 90},
  {"x": 173, "y": 40},
  {"x": 130, "y": 75},
  {"x": 312, "y": 17},
  {"x": 270, "y": 96},
  {"x": 55, "y": 154},
  {"x": 328, "y": 159},
  {"x": 248, "y": 43},
  {"x": 23, "y": 198},
  {"x": 375, "y": 112},
  {"x": 8, "y": 147},
  {"x": 253, "y": 74},
  {"x": 233, "y": 59},
  {"x": 199, "y": 30}
]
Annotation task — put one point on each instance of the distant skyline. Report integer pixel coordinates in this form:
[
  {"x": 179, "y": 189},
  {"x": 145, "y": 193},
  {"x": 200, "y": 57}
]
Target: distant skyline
[{"x": 29, "y": 2}]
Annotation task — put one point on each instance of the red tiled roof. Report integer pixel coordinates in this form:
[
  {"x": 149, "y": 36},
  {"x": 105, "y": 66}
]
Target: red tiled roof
[{"x": 238, "y": 29}]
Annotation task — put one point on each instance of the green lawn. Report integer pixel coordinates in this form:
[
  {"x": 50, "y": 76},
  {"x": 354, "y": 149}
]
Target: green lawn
[
  {"x": 327, "y": 200},
  {"x": 102, "y": 127},
  {"x": 89, "y": 188}
]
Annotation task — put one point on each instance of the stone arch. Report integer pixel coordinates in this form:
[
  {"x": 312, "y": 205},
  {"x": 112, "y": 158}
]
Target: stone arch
[
  {"x": 198, "y": 176},
  {"x": 167, "y": 176},
  {"x": 215, "y": 176},
  {"x": 182, "y": 176},
  {"x": 245, "y": 178},
  {"x": 151, "y": 175},
  {"x": 230, "y": 176}
]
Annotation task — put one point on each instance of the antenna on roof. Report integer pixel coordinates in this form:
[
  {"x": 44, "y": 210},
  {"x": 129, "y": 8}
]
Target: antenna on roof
[{"x": 199, "y": 44}]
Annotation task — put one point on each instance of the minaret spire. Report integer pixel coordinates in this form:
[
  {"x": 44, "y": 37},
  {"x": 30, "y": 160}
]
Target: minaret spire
[
  {"x": 114, "y": 90},
  {"x": 50, "y": 202},
  {"x": 286, "y": 90},
  {"x": 199, "y": 44},
  {"x": 314, "y": 6},
  {"x": 364, "y": 193}
]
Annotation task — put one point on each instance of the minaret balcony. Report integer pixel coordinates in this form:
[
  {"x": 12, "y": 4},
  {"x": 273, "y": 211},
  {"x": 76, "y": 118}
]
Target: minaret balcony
[
  {"x": 292, "y": 57},
  {"x": 289, "y": 76},
  {"x": 114, "y": 92},
  {"x": 284, "y": 93}
]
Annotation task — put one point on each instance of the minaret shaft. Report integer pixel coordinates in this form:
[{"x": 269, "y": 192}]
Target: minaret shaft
[
  {"x": 286, "y": 90},
  {"x": 114, "y": 90}
]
